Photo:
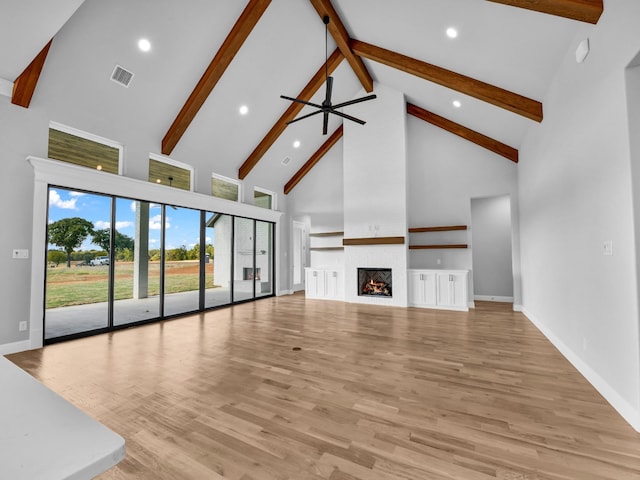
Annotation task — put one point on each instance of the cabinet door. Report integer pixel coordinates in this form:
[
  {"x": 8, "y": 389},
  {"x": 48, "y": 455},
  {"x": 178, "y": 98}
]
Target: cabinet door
[
  {"x": 452, "y": 289},
  {"x": 332, "y": 282},
  {"x": 422, "y": 288},
  {"x": 315, "y": 283}
]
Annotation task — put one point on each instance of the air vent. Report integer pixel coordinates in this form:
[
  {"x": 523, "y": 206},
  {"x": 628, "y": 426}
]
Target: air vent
[
  {"x": 121, "y": 76},
  {"x": 286, "y": 160}
]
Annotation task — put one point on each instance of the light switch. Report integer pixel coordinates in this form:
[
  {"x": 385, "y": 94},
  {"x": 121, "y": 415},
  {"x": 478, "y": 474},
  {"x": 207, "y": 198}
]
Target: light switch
[
  {"x": 21, "y": 253},
  {"x": 608, "y": 247}
]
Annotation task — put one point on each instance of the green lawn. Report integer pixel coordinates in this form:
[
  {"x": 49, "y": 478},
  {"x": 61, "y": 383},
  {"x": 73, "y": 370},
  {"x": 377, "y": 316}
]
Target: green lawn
[{"x": 85, "y": 285}]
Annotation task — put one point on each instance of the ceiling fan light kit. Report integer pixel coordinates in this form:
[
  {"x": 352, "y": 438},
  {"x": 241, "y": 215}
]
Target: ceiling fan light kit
[{"x": 326, "y": 108}]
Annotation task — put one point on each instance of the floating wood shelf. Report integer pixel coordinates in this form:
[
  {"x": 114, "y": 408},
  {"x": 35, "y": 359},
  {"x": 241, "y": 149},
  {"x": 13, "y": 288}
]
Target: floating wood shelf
[
  {"x": 374, "y": 241},
  {"x": 446, "y": 228},
  {"x": 327, "y": 234},
  {"x": 326, "y": 248},
  {"x": 429, "y": 247}
]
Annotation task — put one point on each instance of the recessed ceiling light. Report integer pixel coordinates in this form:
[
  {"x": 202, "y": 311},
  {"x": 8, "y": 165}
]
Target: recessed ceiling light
[
  {"x": 158, "y": 180},
  {"x": 98, "y": 167},
  {"x": 296, "y": 144},
  {"x": 457, "y": 104},
  {"x": 144, "y": 44},
  {"x": 243, "y": 110},
  {"x": 452, "y": 32}
]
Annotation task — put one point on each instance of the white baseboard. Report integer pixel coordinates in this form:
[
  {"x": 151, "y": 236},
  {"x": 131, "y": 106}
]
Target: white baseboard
[
  {"x": 493, "y": 298},
  {"x": 284, "y": 292},
  {"x": 15, "y": 347},
  {"x": 517, "y": 308},
  {"x": 624, "y": 408}
]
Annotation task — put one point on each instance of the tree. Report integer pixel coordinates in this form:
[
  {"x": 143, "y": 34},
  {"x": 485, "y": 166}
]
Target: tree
[
  {"x": 56, "y": 256},
  {"x": 69, "y": 233},
  {"x": 102, "y": 238}
]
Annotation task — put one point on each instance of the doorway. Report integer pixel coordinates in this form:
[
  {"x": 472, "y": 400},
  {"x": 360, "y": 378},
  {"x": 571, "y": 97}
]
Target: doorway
[
  {"x": 492, "y": 252},
  {"x": 298, "y": 257}
]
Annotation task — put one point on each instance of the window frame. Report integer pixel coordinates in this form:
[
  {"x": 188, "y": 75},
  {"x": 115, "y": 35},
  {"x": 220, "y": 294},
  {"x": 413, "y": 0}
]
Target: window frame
[
  {"x": 268, "y": 192},
  {"x": 93, "y": 138},
  {"x": 174, "y": 163},
  {"x": 228, "y": 180}
]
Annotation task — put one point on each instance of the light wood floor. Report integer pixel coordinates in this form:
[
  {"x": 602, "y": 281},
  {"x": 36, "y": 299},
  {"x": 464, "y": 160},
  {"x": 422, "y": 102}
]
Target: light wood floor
[{"x": 375, "y": 393}]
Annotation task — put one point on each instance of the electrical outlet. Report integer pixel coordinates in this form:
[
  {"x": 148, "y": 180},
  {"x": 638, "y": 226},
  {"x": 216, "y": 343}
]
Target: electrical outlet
[
  {"x": 22, "y": 326},
  {"x": 20, "y": 253}
]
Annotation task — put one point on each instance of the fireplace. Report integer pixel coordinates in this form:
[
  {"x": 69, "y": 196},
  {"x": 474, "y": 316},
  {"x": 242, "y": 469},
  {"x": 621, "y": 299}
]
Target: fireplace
[
  {"x": 250, "y": 273},
  {"x": 374, "y": 282}
]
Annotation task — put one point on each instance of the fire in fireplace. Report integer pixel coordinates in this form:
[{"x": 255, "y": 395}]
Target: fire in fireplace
[
  {"x": 250, "y": 273},
  {"x": 374, "y": 282}
]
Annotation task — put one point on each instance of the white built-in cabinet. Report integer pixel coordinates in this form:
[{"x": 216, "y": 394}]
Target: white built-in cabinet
[
  {"x": 443, "y": 289},
  {"x": 324, "y": 282}
]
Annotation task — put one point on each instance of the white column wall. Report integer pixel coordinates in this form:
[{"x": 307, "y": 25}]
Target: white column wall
[{"x": 375, "y": 191}]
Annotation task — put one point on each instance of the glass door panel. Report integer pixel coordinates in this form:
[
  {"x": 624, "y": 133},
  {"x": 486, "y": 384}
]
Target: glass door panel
[
  {"x": 181, "y": 260},
  {"x": 77, "y": 274},
  {"x": 217, "y": 283},
  {"x": 264, "y": 259},
  {"x": 243, "y": 259},
  {"x": 136, "y": 262}
]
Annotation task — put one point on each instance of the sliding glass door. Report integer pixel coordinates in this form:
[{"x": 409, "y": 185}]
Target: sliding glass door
[
  {"x": 218, "y": 235},
  {"x": 264, "y": 259},
  {"x": 181, "y": 260},
  {"x": 114, "y": 262},
  {"x": 77, "y": 269},
  {"x": 136, "y": 262}
]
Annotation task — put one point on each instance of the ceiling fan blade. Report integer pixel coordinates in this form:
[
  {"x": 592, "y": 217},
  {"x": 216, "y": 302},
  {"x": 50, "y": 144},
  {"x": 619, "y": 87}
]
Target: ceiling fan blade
[
  {"x": 325, "y": 123},
  {"x": 357, "y": 100},
  {"x": 304, "y": 116},
  {"x": 327, "y": 97},
  {"x": 348, "y": 117},
  {"x": 304, "y": 102}
]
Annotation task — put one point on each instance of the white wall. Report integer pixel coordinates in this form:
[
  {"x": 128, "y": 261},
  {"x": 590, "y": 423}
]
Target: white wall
[
  {"x": 317, "y": 201},
  {"x": 491, "y": 248},
  {"x": 20, "y": 135},
  {"x": 576, "y": 193},
  {"x": 445, "y": 173}
]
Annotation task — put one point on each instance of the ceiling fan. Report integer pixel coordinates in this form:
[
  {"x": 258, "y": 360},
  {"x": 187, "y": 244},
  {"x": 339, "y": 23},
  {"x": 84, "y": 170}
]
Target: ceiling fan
[{"x": 326, "y": 108}]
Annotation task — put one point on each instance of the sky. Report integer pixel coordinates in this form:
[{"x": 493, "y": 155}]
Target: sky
[{"x": 182, "y": 223}]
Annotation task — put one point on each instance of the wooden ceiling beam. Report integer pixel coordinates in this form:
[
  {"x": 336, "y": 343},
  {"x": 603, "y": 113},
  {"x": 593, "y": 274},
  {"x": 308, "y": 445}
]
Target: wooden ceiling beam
[
  {"x": 290, "y": 113},
  {"x": 582, "y": 10},
  {"x": 479, "y": 139},
  {"x": 497, "y": 96},
  {"x": 230, "y": 47},
  {"x": 315, "y": 158},
  {"x": 25, "y": 85},
  {"x": 340, "y": 35}
]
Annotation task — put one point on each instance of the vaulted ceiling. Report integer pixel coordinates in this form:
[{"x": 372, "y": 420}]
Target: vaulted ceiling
[{"x": 208, "y": 58}]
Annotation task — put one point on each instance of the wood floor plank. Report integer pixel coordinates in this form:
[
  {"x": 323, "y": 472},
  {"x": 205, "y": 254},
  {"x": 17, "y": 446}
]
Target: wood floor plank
[{"x": 374, "y": 393}]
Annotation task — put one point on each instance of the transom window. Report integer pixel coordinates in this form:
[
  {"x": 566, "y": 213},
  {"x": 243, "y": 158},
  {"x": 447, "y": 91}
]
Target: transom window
[
  {"x": 165, "y": 171},
  {"x": 264, "y": 198},
  {"x": 70, "y": 145},
  {"x": 225, "y": 187}
]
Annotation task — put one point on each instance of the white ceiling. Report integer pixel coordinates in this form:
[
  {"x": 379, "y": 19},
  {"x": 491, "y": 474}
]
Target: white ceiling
[{"x": 512, "y": 48}]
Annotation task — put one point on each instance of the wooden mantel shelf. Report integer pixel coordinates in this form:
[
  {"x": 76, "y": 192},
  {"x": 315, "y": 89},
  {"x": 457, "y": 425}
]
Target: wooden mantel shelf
[
  {"x": 430, "y": 247},
  {"x": 373, "y": 241},
  {"x": 326, "y": 234},
  {"x": 447, "y": 228}
]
